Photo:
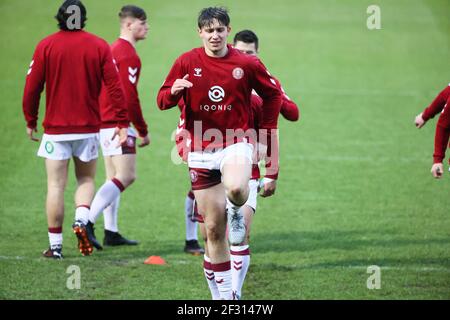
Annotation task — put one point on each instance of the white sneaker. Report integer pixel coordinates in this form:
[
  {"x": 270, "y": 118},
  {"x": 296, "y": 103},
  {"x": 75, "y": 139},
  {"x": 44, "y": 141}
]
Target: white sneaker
[{"x": 236, "y": 227}]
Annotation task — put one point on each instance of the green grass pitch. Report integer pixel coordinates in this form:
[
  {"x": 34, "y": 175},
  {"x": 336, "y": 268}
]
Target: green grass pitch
[{"x": 354, "y": 190}]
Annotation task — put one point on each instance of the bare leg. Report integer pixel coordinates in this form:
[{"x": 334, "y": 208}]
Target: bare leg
[
  {"x": 56, "y": 184},
  {"x": 85, "y": 174},
  {"x": 211, "y": 203}
]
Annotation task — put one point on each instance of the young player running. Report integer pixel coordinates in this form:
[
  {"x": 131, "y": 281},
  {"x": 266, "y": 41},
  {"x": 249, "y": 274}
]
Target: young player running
[{"x": 216, "y": 82}]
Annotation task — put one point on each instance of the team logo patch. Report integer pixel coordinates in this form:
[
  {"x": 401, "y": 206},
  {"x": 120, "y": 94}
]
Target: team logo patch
[
  {"x": 106, "y": 143},
  {"x": 216, "y": 94},
  {"x": 132, "y": 74},
  {"x": 238, "y": 73},
  {"x": 194, "y": 175},
  {"x": 49, "y": 147},
  {"x": 197, "y": 72}
]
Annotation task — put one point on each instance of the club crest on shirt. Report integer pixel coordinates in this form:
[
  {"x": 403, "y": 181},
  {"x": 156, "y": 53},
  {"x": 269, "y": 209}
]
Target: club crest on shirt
[
  {"x": 238, "y": 73},
  {"x": 197, "y": 72},
  {"x": 194, "y": 176}
]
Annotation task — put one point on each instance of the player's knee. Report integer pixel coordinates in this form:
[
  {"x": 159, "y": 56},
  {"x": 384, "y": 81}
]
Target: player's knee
[
  {"x": 127, "y": 179},
  {"x": 214, "y": 232},
  {"x": 85, "y": 180},
  {"x": 237, "y": 193}
]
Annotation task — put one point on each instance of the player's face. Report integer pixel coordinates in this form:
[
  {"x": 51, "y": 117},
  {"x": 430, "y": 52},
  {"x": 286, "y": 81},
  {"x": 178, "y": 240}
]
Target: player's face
[
  {"x": 139, "y": 29},
  {"x": 247, "y": 48},
  {"x": 214, "y": 37}
]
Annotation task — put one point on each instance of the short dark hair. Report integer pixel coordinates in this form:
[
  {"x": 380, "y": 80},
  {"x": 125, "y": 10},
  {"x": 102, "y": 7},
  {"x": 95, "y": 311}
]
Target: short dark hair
[
  {"x": 63, "y": 16},
  {"x": 207, "y": 15},
  {"x": 247, "y": 36},
  {"x": 132, "y": 12}
]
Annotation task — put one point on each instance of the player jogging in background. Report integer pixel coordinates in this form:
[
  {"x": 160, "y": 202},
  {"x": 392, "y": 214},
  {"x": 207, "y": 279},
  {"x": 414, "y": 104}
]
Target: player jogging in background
[
  {"x": 72, "y": 64},
  {"x": 120, "y": 163},
  {"x": 247, "y": 42},
  {"x": 216, "y": 82},
  {"x": 440, "y": 104}
]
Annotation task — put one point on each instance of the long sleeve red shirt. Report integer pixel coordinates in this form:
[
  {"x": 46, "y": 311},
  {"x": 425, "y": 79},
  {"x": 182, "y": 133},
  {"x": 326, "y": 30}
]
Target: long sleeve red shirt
[
  {"x": 72, "y": 66},
  {"x": 129, "y": 66},
  {"x": 221, "y": 93},
  {"x": 437, "y": 105},
  {"x": 442, "y": 134},
  {"x": 289, "y": 110}
]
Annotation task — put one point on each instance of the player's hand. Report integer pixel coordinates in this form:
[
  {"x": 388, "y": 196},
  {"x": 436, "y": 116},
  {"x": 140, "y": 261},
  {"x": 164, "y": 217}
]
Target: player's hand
[
  {"x": 419, "y": 122},
  {"x": 145, "y": 141},
  {"x": 269, "y": 188},
  {"x": 123, "y": 135},
  {"x": 30, "y": 133},
  {"x": 437, "y": 170},
  {"x": 180, "y": 84}
]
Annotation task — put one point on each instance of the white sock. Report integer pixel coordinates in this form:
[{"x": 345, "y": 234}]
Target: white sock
[
  {"x": 110, "y": 215},
  {"x": 82, "y": 214},
  {"x": 210, "y": 279},
  {"x": 191, "y": 226},
  {"x": 55, "y": 239},
  {"x": 107, "y": 193},
  {"x": 222, "y": 273},
  {"x": 240, "y": 261}
]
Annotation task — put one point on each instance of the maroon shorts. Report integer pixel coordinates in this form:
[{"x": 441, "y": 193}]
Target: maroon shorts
[{"x": 204, "y": 178}]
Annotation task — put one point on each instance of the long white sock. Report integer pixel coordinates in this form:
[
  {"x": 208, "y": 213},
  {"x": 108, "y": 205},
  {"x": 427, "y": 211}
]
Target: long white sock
[
  {"x": 55, "y": 237},
  {"x": 107, "y": 193},
  {"x": 240, "y": 261},
  {"x": 82, "y": 213},
  {"x": 210, "y": 279},
  {"x": 110, "y": 215},
  {"x": 191, "y": 226},
  {"x": 222, "y": 273}
]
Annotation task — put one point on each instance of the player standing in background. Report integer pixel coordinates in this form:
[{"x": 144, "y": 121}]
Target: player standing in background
[
  {"x": 191, "y": 245},
  {"x": 120, "y": 163},
  {"x": 215, "y": 82},
  {"x": 72, "y": 65},
  {"x": 441, "y": 138}
]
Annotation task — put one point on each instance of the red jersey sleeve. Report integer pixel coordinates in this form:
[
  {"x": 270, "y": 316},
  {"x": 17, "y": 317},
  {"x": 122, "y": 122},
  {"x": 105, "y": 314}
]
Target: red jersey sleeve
[
  {"x": 34, "y": 85},
  {"x": 165, "y": 99},
  {"x": 442, "y": 135},
  {"x": 130, "y": 71},
  {"x": 289, "y": 110},
  {"x": 267, "y": 89},
  {"x": 437, "y": 105},
  {"x": 113, "y": 87}
]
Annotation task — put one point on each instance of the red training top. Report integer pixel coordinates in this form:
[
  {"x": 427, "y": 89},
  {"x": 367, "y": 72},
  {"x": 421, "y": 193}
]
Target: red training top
[
  {"x": 72, "y": 65},
  {"x": 129, "y": 66}
]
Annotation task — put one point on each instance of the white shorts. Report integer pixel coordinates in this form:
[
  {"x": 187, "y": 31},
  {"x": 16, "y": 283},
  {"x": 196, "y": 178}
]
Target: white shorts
[
  {"x": 84, "y": 149},
  {"x": 109, "y": 147},
  {"x": 251, "y": 201},
  {"x": 215, "y": 160}
]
